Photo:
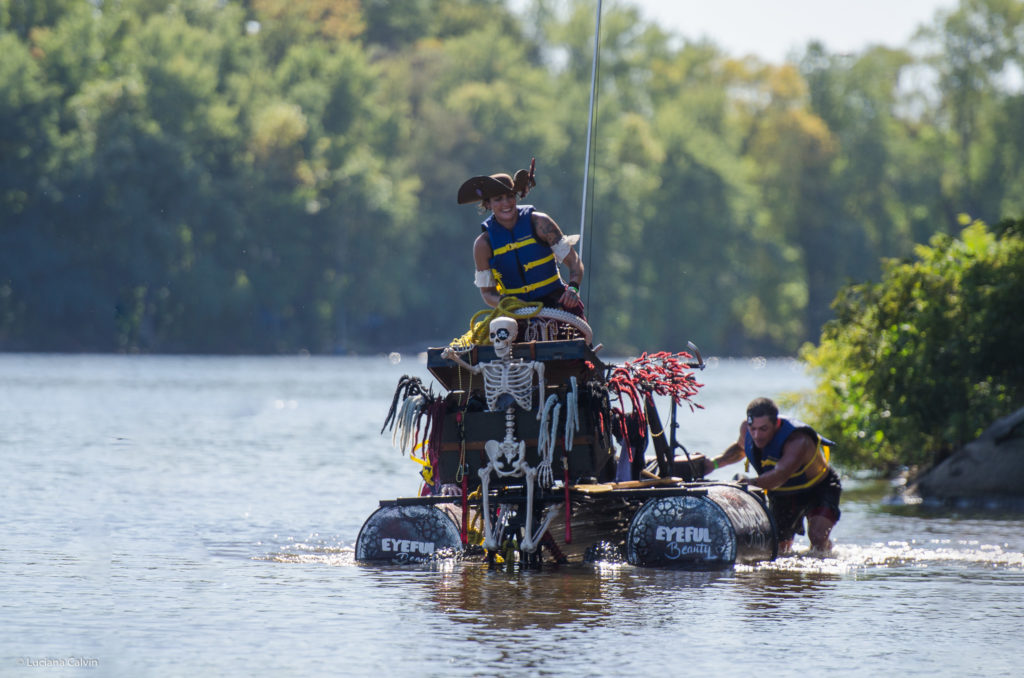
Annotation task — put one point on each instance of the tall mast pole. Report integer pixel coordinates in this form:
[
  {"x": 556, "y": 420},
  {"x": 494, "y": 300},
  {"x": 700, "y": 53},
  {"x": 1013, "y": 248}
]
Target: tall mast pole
[{"x": 590, "y": 127}]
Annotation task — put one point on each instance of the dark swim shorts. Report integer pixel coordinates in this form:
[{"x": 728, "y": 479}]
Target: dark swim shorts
[{"x": 789, "y": 508}]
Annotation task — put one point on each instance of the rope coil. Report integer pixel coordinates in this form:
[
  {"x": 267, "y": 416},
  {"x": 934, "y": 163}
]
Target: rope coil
[{"x": 511, "y": 307}]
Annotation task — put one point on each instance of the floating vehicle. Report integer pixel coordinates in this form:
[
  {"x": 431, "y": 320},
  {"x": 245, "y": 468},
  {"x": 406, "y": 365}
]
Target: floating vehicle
[{"x": 534, "y": 453}]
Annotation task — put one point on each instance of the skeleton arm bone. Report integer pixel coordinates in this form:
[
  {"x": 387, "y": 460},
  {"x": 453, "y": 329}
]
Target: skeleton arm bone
[
  {"x": 539, "y": 367},
  {"x": 449, "y": 354}
]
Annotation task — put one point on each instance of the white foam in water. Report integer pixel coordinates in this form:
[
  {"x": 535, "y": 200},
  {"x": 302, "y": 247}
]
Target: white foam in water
[
  {"x": 312, "y": 550},
  {"x": 341, "y": 557},
  {"x": 937, "y": 552},
  {"x": 844, "y": 558}
]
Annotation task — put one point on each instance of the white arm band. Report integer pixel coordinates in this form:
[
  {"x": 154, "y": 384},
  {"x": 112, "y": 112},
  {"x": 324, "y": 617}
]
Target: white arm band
[
  {"x": 562, "y": 247},
  {"x": 485, "y": 279}
]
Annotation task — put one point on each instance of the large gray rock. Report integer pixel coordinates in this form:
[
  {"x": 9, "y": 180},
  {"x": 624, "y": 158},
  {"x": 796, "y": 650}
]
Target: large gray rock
[{"x": 988, "y": 469}]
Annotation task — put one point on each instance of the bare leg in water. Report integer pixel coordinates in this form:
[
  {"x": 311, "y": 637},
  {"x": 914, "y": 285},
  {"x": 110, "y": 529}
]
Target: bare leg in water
[{"x": 818, "y": 530}]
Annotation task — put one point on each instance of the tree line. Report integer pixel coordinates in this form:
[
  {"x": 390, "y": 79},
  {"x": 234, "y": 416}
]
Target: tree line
[{"x": 264, "y": 176}]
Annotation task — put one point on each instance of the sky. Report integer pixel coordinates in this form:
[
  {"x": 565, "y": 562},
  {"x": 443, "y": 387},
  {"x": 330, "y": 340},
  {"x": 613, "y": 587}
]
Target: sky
[{"x": 772, "y": 29}]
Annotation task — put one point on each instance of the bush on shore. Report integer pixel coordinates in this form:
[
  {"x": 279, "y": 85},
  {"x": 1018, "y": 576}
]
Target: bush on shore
[{"x": 919, "y": 363}]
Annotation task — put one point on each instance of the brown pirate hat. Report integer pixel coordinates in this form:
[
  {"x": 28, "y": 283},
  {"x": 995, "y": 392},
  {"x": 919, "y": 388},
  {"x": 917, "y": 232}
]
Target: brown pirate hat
[{"x": 485, "y": 187}]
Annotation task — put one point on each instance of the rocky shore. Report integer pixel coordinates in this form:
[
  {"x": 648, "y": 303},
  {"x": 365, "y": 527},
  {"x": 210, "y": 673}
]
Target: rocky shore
[{"x": 987, "y": 473}]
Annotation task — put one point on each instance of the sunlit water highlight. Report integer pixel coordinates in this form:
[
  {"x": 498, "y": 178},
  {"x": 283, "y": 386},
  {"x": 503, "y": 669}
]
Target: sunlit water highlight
[
  {"x": 843, "y": 559},
  {"x": 197, "y": 516}
]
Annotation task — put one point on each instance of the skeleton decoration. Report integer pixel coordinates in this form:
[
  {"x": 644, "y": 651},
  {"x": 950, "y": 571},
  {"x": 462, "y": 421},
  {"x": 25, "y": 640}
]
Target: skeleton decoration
[
  {"x": 508, "y": 382},
  {"x": 546, "y": 441}
]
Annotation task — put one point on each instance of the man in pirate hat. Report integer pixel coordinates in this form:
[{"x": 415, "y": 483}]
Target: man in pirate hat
[{"x": 519, "y": 250}]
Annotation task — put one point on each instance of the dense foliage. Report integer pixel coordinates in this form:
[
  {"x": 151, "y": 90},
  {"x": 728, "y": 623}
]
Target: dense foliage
[
  {"x": 279, "y": 175},
  {"x": 916, "y": 365}
]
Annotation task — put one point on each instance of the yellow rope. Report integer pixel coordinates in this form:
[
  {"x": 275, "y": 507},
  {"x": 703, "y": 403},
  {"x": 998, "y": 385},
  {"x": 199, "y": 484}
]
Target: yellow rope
[
  {"x": 479, "y": 324},
  {"x": 475, "y": 530}
]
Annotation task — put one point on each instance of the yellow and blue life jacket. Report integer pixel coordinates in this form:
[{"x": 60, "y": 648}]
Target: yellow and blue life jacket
[
  {"x": 522, "y": 266},
  {"x": 766, "y": 459}
]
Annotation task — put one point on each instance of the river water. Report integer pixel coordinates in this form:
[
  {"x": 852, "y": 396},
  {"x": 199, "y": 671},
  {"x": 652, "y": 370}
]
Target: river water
[{"x": 186, "y": 516}]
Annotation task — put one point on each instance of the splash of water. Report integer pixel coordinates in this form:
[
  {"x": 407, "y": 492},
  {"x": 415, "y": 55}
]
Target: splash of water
[
  {"x": 312, "y": 554},
  {"x": 313, "y": 550},
  {"x": 845, "y": 559}
]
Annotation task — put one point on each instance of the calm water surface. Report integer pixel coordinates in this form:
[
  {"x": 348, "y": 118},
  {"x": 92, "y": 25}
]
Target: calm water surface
[{"x": 169, "y": 516}]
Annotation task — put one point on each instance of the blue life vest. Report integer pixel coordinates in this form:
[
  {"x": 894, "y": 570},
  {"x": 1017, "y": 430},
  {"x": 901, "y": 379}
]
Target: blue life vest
[
  {"x": 522, "y": 266},
  {"x": 771, "y": 455}
]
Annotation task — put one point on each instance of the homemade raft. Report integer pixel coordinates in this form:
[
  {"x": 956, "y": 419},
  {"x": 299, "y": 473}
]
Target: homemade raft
[{"x": 535, "y": 452}]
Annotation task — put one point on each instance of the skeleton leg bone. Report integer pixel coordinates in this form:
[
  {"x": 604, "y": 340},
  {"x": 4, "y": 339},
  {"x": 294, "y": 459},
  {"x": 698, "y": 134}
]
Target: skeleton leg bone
[
  {"x": 485, "y": 486},
  {"x": 531, "y": 542}
]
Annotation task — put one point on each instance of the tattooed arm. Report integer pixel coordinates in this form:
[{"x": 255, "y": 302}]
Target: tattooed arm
[{"x": 547, "y": 231}]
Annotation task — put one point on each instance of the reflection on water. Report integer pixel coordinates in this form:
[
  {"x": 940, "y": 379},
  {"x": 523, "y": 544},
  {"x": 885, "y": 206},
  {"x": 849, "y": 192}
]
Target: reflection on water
[
  {"x": 605, "y": 594},
  {"x": 476, "y": 596}
]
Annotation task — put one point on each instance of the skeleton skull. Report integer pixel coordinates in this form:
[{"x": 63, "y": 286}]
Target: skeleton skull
[{"x": 503, "y": 333}]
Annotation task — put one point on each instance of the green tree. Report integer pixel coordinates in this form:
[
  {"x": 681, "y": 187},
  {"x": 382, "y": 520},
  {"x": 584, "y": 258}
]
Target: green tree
[
  {"x": 977, "y": 42},
  {"x": 284, "y": 23},
  {"x": 28, "y": 137},
  {"x": 671, "y": 210},
  {"x": 920, "y": 362},
  {"x": 261, "y": 175},
  {"x": 28, "y": 126},
  {"x": 22, "y": 16}
]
